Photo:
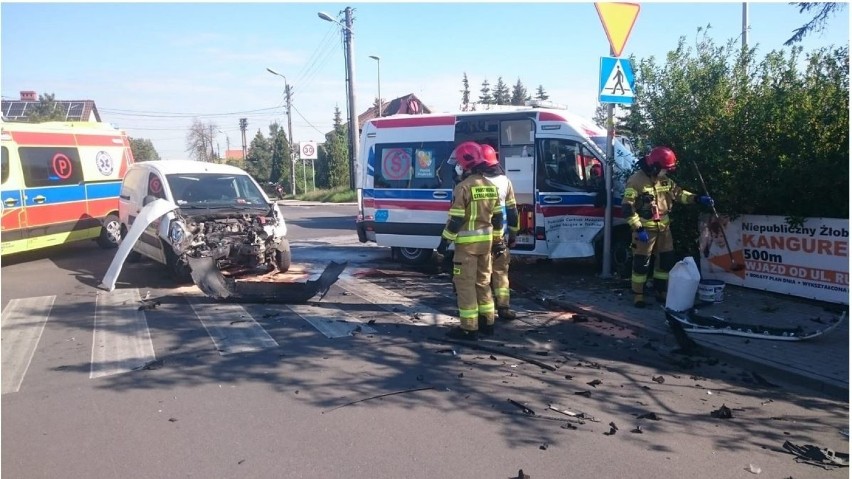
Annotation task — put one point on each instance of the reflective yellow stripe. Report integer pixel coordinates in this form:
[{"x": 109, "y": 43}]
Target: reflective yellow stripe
[
  {"x": 661, "y": 275},
  {"x": 449, "y": 235},
  {"x": 456, "y": 212},
  {"x": 483, "y": 238},
  {"x": 638, "y": 278},
  {"x": 486, "y": 308},
  {"x": 468, "y": 313}
]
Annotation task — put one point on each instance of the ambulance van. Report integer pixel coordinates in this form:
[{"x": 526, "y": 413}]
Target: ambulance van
[
  {"x": 59, "y": 182},
  {"x": 553, "y": 158}
]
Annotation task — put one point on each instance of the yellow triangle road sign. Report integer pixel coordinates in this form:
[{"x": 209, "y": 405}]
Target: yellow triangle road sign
[{"x": 617, "y": 19}]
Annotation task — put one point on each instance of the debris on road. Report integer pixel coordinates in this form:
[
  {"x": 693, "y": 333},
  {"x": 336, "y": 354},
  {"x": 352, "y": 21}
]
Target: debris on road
[
  {"x": 723, "y": 412},
  {"x": 612, "y": 429},
  {"x": 496, "y": 350},
  {"x": 523, "y": 408},
  {"x": 658, "y": 379},
  {"x": 817, "y": 456},
  {"x": 595, "y": 383},
  {"x": 378, "y": 397},
  {"x": 650, "y": 415},
  {"x": 521, "y": 475},
  {"x": 637, "y": 430}
]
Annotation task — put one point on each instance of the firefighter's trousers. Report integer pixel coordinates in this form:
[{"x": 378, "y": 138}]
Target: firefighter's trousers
[
  {"x": 472, "y": 276},
  {"x": 500, "y": 279},
  {"x": 661, "y": 245}
]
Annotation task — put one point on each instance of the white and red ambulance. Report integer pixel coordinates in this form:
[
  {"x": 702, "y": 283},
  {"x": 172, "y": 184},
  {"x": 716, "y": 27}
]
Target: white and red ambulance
[{"x": 553, "y": 158}]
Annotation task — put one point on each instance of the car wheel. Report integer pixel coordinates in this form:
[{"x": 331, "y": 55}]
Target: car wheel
[
  {"x": 283, "y": 257},
  {"x": 132, "y": 256},
  {"x": 413, "y": 256},
  {"x": 110, "y": 232},
  {"x": 178, "y": 269}
]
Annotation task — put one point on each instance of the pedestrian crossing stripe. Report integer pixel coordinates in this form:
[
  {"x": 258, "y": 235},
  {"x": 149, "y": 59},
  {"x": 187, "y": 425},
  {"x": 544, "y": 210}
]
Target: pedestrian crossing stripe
[
  {"x": 23, "y": 322},
  {"x": 616, "y": 81}
]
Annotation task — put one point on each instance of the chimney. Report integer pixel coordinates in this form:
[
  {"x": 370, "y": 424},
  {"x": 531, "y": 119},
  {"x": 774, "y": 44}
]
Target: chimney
[{"x": 28, "y": 96}]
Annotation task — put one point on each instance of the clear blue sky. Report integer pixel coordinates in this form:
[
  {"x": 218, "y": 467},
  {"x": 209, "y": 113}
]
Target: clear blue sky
[{"x": 153, "y": 67}]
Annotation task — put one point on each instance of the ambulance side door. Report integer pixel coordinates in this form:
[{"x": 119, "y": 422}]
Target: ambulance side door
[
  {"x": 14, "y": 219},
  {"x": 568, "y": 197}
]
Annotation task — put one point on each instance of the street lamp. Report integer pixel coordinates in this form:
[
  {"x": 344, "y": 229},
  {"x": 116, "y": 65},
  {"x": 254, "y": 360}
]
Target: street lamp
[
  {"x": 350, "y": 86},
  {"x": 379, "y": 81},
  {"x": 289, "y": 132}
]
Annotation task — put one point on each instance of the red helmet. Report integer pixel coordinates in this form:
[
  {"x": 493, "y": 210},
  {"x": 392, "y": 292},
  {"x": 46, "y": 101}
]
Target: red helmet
[
  {"x": 468, "y": 155},
  {"x": 662, "y": 157},
  {"x": 489, "y": 155}
]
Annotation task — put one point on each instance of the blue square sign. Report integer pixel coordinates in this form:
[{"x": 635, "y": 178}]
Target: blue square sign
[{"x": 616, "y": 81}]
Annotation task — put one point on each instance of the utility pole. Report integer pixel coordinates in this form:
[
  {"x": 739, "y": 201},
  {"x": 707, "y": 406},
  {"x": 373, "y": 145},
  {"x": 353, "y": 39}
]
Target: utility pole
[
  {"x": 745, "y": 25},
  {"x": 350, "y": 75},
  {"x": 290, "y": 139},
  {"x": 243, "y": 127}
]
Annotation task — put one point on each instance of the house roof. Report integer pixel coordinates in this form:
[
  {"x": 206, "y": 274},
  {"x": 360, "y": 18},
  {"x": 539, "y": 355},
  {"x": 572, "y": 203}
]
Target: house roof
[
  {"x": 409, "y": 104},
  {"x": 74, "y": 110},
  {"x": 234, "y": 154}
]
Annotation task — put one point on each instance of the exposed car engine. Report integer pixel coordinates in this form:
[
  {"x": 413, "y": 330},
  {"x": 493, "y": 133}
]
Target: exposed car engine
[{"x": 235, "y": 242}]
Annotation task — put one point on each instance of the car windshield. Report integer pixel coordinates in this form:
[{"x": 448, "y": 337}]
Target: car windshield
[{"x": 214, "y": 189}]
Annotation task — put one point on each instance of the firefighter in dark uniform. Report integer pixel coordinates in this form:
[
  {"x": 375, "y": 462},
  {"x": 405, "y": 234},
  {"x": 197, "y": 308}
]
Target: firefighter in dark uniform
[
  {"x": 500, "y": 257},
  {"x": 648, "y": 198},
  {"x": 475, "y": 223}
]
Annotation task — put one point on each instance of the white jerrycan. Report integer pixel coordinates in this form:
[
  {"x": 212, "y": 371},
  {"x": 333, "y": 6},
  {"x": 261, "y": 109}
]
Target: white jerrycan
[{"x": 683, "y": 284}]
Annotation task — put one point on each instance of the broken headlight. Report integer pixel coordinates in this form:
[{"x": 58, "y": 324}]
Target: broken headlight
[{"x": 179, "y": 236}]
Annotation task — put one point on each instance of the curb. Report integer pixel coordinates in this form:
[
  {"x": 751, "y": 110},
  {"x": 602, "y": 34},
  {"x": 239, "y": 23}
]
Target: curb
[{"x": 795, "y": 378}]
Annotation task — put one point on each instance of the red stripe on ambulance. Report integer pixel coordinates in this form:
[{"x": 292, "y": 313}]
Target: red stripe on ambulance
[
  {"x": 25, "y": 138},
  {"x": 415, "y": 122}
]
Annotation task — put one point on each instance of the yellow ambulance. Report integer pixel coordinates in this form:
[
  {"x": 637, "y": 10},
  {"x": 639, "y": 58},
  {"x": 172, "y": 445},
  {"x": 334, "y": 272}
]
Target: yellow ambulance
[{"x": 59, "y": 182}]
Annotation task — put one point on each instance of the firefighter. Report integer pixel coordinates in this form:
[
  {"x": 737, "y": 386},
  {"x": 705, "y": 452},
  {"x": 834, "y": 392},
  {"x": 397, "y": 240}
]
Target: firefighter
[
  {"x": 648, "y": 198},
  {"x": 500, "y": 252},
  {"x": 475, "y": 224}
]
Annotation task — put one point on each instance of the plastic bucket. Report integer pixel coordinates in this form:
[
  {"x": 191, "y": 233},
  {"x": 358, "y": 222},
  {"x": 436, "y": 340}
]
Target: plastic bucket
[
  {"x": 711, "y": 290},
  {"x": 683, "y": 282}
]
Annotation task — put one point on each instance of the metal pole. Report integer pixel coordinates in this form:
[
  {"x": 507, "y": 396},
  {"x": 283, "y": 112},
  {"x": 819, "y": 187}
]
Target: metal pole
[
  {"x": 353, "y": 119},
  {"x": 313, "y": 176},
  {"x": 290, "y": 139},
  {"x": 745, "y": 25},
  {"x": 379, "y": 78},
  {"x": 610, "y": 156}
]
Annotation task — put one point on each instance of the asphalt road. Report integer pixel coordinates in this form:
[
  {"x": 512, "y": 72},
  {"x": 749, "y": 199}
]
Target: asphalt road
[{"x": 361, "y": 384}]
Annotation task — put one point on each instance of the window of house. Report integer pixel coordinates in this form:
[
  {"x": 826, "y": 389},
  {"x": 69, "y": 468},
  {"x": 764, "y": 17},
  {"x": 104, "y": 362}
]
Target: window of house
[{"x": 50, "y": 166}]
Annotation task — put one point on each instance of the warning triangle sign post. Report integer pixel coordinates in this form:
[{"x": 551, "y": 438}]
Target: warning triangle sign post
[{"x": 616, "y": 81}]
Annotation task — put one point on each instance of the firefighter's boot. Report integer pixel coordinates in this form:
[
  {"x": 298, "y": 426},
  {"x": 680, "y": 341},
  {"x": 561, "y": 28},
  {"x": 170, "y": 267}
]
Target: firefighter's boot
[
  {"x": 484, "y": 328},
  {"x": 639, "y": 300},
  {"x": 506, "y": 314},
  {"x": 463, "y": 334}
]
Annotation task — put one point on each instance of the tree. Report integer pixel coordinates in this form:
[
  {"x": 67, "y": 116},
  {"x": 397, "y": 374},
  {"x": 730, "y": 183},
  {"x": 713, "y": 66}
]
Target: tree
[
  {"x": 280, "y": 169},
  {"x": 501, "y": 93},
  {"x": 143, "y": 150},
  {"x": 333, "y": 156},
  {"x": 259, "y": 158},
  {"x": 519, "y": 94},
  {"x": 540, "y": 94},
  {"x": 45, "y": 110},
  {"x": 817, "y": 23},
  {"x": 601, "y": 115},
  {"x": 769, "y": 139},
  {"x": 199, "y": 140},
  {"x": 485, "y": 96},
  {"x": 465, "y": 91}
]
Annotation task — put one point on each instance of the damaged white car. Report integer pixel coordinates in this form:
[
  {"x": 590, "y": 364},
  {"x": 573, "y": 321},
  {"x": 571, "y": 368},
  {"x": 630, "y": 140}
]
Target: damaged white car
[{"x": 223, "y": 217}]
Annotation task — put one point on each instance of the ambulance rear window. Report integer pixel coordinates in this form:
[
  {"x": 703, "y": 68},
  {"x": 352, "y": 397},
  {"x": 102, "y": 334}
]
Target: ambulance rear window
[{"x": 420, "y": 165}]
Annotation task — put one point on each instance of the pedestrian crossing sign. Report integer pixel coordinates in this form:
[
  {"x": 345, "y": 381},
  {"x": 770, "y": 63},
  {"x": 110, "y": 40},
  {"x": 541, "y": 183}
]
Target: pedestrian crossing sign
[{"x": 616, "y": 81}]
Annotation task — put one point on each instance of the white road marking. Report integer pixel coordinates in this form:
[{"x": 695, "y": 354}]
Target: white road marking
[
  {"x": 328, "y": 322},
  {"x": 231, "y": 327},
  {"x": 396, "y": 303},
  {"x": 23, "y": 321},
  {"x": 122, "y": 341}
]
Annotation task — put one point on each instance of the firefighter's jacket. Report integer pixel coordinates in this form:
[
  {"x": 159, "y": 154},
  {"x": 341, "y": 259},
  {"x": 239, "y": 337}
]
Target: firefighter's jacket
[
  {"x": 506, "y": 194},
  {"x": 648, "y": 200},
  {"x": 476, "y": 218}
]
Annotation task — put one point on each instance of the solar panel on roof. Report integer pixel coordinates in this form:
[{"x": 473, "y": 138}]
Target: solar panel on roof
[{"x": 17, "y": 108}]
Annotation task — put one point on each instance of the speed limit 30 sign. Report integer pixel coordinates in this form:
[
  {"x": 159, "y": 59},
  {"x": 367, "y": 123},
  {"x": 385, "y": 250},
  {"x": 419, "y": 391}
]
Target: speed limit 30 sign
[{"x": 308, "y": 150}]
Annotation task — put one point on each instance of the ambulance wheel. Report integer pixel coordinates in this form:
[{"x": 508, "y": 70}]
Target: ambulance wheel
[
  {"x": 283, "y": 256},
  {"x": 110, "y": 232},
  {"x": 413, "y": 256}
]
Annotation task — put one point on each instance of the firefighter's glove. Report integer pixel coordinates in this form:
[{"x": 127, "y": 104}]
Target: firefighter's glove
[
  {"x": 705, "y": 201},
  {"x": 498, "y": 249},
  {"x": 442, "y": 246},
  {"x": 642, "y": 235},
  {"x": 513, "y": 240}
]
